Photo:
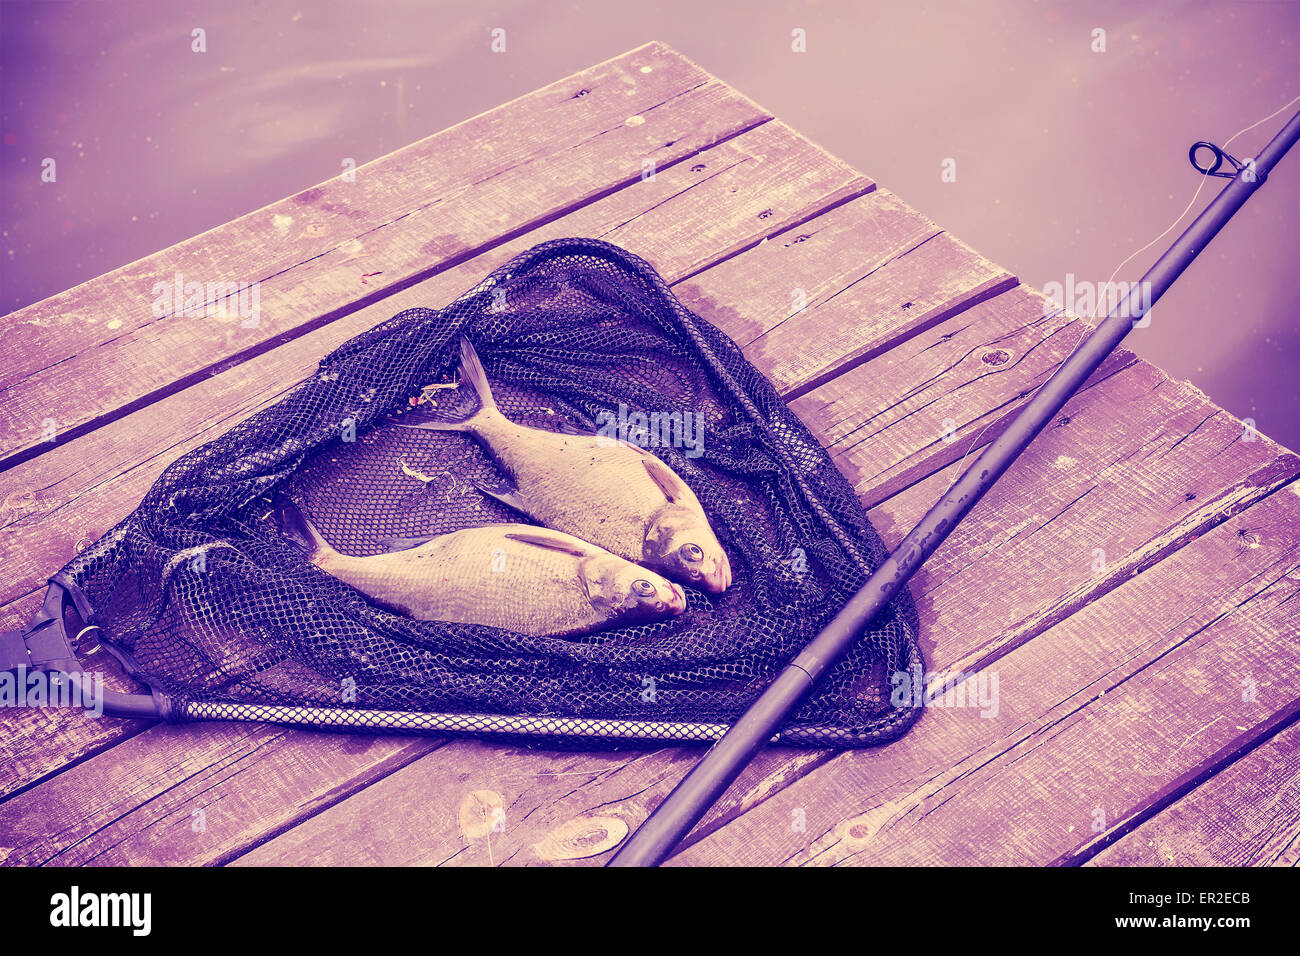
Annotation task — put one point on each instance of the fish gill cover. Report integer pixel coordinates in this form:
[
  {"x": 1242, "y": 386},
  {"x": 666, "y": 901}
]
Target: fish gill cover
[{"x": 211, "y": 604}]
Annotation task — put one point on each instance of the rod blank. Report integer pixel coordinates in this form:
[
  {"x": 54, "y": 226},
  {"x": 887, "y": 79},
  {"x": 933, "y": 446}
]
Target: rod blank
[{"x": 709, "y": 779}]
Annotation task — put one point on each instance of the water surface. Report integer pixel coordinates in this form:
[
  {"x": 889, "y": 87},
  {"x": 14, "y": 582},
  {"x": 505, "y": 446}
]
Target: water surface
[{"x": 1067, "y": 159}]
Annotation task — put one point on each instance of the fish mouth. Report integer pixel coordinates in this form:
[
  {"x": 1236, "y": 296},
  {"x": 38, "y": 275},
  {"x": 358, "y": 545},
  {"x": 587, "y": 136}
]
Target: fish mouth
[
  {"x": 718, "y": 577},
  {"x": 676, "y": 599}
]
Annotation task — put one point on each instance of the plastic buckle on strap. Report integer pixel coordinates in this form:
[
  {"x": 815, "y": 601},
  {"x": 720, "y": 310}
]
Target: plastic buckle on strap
[{"x": 41, "y": 645}]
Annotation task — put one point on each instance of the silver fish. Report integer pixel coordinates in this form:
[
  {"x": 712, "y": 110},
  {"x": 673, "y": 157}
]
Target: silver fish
[
  {"x": 602, "y": 490},
  {"x": 514, "y": 576}
]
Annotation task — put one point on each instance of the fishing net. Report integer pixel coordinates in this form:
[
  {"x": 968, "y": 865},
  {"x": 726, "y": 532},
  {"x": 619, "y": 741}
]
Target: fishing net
[{"x": 221, "y": 615}]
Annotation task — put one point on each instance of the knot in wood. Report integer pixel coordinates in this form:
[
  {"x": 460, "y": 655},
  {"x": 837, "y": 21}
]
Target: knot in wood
[{"x": 995, "y": 357}]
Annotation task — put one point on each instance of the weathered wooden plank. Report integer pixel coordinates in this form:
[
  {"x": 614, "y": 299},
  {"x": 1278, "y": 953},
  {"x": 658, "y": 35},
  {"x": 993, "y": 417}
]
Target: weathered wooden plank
[
  {"x": 857, "y": 282},
  {"x": 943, "y": 393},
  {"x": 191, "y": 794},
  {"x": 1096, "y": 720},
  {"x": 1142, "y": 515},
  {"x": 918, "y": 290},
  {"x": 1130, "y": 472},
  {"x": 331, "y": 249},
  {"x": 538, "y": 792},
  {"x": 1247, "y": 814},
  {"x": 459, "y": 809},
  {"x": 769, "y": 168}
]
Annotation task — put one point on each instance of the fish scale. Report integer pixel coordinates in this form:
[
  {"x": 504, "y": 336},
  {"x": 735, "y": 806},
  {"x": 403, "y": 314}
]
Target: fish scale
[
  {"x": 552, "y": 465},
  {"x": 596, "y": 487},
  {"x": 517, "y": 577},
  {"x": 473, "y": 575}
]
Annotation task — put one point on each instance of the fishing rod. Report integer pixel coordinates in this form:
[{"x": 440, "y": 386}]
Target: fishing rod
[{"x": 723, "y": 763}]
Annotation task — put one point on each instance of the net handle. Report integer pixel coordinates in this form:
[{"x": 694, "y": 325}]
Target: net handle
[{"x": 43, "y": 646}]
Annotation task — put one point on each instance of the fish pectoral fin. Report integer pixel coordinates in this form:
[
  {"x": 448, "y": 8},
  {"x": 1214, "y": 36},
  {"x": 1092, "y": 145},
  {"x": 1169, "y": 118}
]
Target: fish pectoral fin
[
  {"x": 666, "y": 480},
  {"x": 505, "y": 492},
  {"x": 555, "y": 541},
  {"x": 606, "y": 608}
]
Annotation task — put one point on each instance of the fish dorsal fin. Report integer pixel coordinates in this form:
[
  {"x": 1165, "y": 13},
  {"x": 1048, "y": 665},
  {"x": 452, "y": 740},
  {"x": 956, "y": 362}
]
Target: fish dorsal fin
[
  {"x": 666, "y": 479},
  {"x": 542, "y": 538},
  {"x": 505, "y": 492},
  {"x": 568, "y": 428},
  {"x": 471, "y": 373},
  {"x": 393, "y": 545}
]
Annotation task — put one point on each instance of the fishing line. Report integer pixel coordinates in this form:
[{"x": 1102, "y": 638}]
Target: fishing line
[
  {"x": 726, "y": 760},
  {"x": 1093, "y": 315}
]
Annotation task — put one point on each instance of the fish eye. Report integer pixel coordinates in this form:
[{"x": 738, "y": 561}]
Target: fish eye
[
  {"x": 644, "y": 588},
  {"x": 691, "y": 552}
]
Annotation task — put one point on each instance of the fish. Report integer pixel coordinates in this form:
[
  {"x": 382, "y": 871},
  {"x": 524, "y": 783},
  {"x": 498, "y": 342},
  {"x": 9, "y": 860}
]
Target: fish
[
  {"x": 517, "y": 577},
  {"x": 609, "y": 492}
]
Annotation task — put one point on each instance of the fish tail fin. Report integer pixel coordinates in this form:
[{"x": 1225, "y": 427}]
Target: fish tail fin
[
  {"x": 471, "y": 371},
  {"x": 294, "y": 525}
]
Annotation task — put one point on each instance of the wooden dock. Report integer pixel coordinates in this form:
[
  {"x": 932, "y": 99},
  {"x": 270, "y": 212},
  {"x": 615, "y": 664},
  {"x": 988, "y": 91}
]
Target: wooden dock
[{"x": 1129, "y": 585}]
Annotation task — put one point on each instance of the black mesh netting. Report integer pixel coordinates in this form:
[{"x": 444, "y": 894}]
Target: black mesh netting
[{"x": 211, "y": 604}]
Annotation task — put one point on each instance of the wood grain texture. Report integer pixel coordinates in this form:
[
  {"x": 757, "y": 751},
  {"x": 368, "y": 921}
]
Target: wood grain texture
[
  {"x": 885, "y": 332},
  {"x": 191, "y": 794},
  {"x": 764, "y": 165},
  {"x": 944, "y": 393},
  {"x": 388, "y": 825},
  {"x": 1097, "y": 720},
  {"x": 1246, "y": 814},
  {"x": 541, "y": 792},
  {"x": 858, "y": 281},
  {"x": 1126, "y": 475},
  {"x": 66, "y": 505},
  {"x": 966, "y": 600},
  {"x": 332, "y": 249}
]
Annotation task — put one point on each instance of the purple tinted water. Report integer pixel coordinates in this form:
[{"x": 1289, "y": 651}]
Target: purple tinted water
[{"x": 1067, "y": 160}]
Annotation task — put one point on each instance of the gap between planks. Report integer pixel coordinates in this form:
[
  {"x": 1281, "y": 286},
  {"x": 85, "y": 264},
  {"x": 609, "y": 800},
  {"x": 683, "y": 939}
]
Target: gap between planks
[
  {"x": 388, "y": 790},
  {"x": 971, "y": 790},
  {"x": 714, "y": 115},
  {"x": 1227, "y": 819}
]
